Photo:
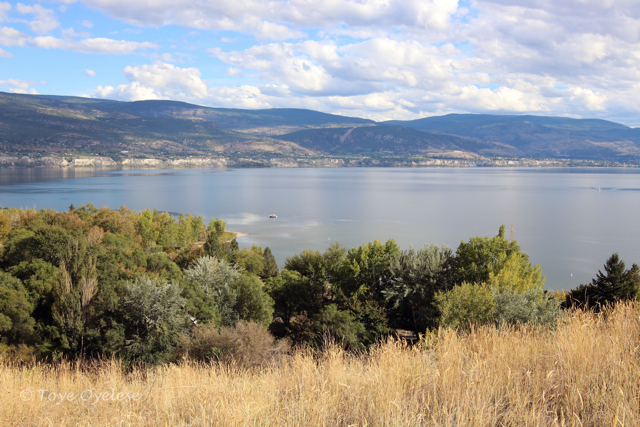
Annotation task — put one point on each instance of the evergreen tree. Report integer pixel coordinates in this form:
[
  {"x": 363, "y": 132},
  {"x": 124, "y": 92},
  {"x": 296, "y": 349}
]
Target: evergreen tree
[
  {"x": 212, "y": 247},
  {"x": 615, "y": 284},
  {"x": 270, "y": 266}
]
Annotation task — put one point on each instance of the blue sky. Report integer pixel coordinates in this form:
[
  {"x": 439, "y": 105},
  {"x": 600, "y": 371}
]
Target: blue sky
[{"x": 378, "y": 59}]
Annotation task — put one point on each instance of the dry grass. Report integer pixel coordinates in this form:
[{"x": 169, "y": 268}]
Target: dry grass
[{"x": 585, "y": 372}]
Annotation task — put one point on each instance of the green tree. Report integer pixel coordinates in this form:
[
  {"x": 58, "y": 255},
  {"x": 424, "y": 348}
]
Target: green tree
[
  {"x": 154, "y": 318},
  {"x": 481, "y": 255},
  {"x": 465, "y": 305},
  {"x": 77, "y": 285},
  {"x": 339, "y": 326},
  {"x": 293, "y": 294},
  {"x": 366, "y": 268},
  {"x": 270, "y": 266},
  {"x": 213, "y": 247},
  {"x": 615, "y": 284},
  {"x": 251, "y": 260},
  {"x": 415, "y": 277},
  {"x": 515, "y": 273},
  {"x": 216, "y": 278},
  {"x": 146, "y": 229},
  {"x": 252, "y": 302},
  {"x": 16, "y": 323}
]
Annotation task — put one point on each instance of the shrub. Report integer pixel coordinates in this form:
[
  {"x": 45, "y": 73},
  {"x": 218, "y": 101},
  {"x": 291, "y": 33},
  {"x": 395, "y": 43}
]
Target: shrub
[
  {"x": 247, "y": 344},
  {"x": 465, "y": 305},
  {"x": 532, "y": 306}
]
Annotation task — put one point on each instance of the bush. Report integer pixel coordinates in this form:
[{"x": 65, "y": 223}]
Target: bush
[
  {"x": 465, "y": 305},
  {"x": 532, "y": 306},
  {"x": 247, "y": 344},
  {"x": 339, "y": 326}
]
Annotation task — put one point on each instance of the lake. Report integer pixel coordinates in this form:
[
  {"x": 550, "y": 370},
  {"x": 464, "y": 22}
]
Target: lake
[{"x": 568, "y": 220}]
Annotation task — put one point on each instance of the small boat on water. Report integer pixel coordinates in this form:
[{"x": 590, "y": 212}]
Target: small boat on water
[{"x": 273, "y": 216}]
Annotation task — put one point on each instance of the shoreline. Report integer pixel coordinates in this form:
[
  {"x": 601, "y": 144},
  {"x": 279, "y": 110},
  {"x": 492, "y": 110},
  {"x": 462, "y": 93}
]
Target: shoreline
[{"x": 108, "y": 163}]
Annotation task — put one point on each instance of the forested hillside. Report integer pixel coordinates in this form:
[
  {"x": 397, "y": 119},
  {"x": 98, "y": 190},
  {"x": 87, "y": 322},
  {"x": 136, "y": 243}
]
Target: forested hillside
[{"x": 36, "y": 125}]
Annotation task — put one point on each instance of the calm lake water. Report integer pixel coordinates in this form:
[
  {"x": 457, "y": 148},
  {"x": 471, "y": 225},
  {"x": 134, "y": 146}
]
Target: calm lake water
[{"x": 568, "y": 220}]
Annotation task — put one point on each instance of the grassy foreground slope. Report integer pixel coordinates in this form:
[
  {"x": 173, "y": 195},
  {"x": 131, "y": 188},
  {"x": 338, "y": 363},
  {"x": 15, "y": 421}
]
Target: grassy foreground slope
[{"x": 583, "y": 372}]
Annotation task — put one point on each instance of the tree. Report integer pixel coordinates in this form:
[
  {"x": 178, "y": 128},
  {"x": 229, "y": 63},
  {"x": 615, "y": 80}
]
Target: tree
[
  {"x": 154, "y": 318},
  {"x": 415, "y": 277},
  {"x": 466, "y": 304},
  {"x": 212, "y": 247},
  {"x": 366, "y": 268},
  {"x": 292, "y": 294},
  {"x": 270, "y": 266},
  {"x": 251, "y": 260},
  {"x": 515, "y": 273},
  {"x": 252, "y": 302},
  {"x": 339, "y": 325},
  {"x": 529, "y": 306},
  {"x": 481, "y": 255},
  {"x": 16, "y": 323},
  {"x": 77, "y": 284},
  {"x": 615, "y": 284},
  {"x": 216, "y": 278}
]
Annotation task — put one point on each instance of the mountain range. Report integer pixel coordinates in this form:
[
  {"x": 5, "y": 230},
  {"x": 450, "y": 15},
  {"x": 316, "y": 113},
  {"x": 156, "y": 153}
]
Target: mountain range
[{"x": 44, "y": 125}]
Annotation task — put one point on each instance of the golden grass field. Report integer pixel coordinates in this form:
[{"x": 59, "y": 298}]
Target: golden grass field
[{"x": 584, "y": 372}]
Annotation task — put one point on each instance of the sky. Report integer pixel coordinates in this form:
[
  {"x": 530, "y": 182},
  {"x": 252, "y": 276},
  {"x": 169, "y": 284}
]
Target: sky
[{"x": 376, "y": 59}]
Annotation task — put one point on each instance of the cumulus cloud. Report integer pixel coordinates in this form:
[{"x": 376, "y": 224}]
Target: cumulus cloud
[
  {"x": 158, "y": 81},
  {"x": 44, "y": 19},
  {"x": 380, "y": 58},
  {"x": 20, "y": 86},
  {"x": 4, "y": 8},
  {"x": 133, "y": 92},
  {"x": 89, "y": 72},
  {"x": 5, "y": 54},
  {"x": 172, "y": 81},
  {"x": 92, "y": 45},
  {"x": 12, "y": 37},
  {"x": 282, "y": 19}
]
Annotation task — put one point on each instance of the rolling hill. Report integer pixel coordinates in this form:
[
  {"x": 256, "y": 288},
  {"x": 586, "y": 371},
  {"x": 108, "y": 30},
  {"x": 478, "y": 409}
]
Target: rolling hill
[
  {"x": 63, "y": 124},
  {"x": 539, "y": 136}
]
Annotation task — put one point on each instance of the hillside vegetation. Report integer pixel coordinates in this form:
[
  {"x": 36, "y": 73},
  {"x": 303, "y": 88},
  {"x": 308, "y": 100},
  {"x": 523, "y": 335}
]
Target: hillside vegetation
[
  {"x": 538, "y": 136},
  {"x": 146, "y": 318},
  {"x": 39, "y": 125}
]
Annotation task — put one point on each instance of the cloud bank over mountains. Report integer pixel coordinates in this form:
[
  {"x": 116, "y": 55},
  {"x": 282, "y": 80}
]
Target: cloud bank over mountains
[{"x": 378, "y": 59}]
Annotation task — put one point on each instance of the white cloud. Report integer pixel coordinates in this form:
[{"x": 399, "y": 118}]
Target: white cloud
[
  {"x": 380, "y": 58},
  {"x": 71, "y": 33},
  {"x": 12, "y": 37},
  {"x": 158, "y": 81},
  {"x": 21, "y": 86},
  {"x": 166, "y": 57},
  {"x": 132, "y": 92},
  {"x": 5, "y": 54},
  {"x": 89, "y": 72},
  {"x": 87, "y": 24},
  {"x": 283, "y": 19},
  {"x": 92, "y": 45},
  {"x": 172, "y": 81},
  {"x": 4, "y": 8},
  {"x": 44, "y": 19}
]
